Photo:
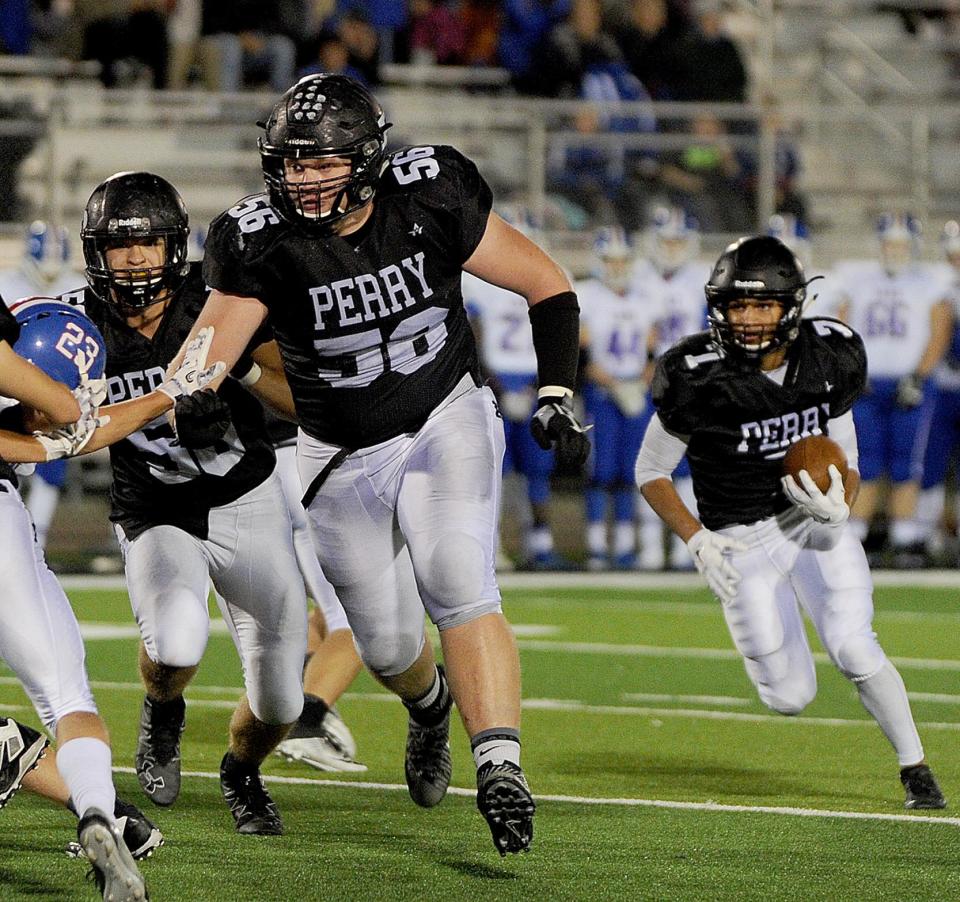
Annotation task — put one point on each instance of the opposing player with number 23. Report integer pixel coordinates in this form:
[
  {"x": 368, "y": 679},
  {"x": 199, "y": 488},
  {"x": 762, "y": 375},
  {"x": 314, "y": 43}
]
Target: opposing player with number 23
[
  {"x": 355, "y": 257},
  {"x": 735, "y": 399}
]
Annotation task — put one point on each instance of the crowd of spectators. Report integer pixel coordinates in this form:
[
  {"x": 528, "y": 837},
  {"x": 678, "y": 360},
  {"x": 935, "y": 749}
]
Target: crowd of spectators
[{"x": 593, "y": 50}]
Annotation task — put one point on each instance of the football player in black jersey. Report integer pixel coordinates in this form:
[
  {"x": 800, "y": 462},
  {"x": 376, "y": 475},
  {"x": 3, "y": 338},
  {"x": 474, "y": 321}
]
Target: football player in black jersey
[
  {"x": 355, "y": 256},
  {"x": 189, "y": 508},
  {"x": 734, "y": 399}
]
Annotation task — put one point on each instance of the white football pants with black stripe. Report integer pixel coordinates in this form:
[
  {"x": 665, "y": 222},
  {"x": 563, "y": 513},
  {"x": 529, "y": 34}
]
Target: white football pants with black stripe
[
  {"x": 411, "y": 525},
  {"x": 39, "y": 636},
  {"x": 249, "y": 557}
]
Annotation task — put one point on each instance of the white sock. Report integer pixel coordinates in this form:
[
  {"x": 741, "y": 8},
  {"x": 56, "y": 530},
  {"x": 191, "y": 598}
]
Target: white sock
[
  {"x": 885, "y": 697},
  {"x": 624, "y": 537},
  {"x": 539, "y": 540},
  {"x": 84, "y": 764},
  {"x": 905, "y": 531},
  {"x": 496, "y": 746},
  {"x": 930, "y": 504},
  {"x": 42, "y": 505},
  {"x": 597, "y": 539}
]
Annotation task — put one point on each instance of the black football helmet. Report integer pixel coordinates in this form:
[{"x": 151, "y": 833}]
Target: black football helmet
[
  {"x": 761, "y": 267},
  {"x": 324, "y": 116},
  {"x": 134, "y": 205}
]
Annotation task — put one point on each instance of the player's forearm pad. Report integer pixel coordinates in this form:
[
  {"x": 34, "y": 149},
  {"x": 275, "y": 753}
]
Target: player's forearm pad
[{"x": 556, "y": 339}]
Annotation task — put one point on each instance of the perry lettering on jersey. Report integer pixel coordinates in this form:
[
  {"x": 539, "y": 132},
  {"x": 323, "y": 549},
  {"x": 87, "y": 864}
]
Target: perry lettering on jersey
[
  {"x": 364, "y": 298},
  {"x": 771, "y": 437},
  {"x": 134, "y": 384}
]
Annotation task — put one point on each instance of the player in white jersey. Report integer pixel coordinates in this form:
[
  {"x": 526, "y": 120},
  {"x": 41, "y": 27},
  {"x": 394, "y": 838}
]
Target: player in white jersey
[
  {"x": 898, "y": 305},
  {"x": 505, "y": 343},
  {"x": 944, "y": 441},
  {"x": 618, "y": 335},
  {"x": 44, "y": 270},
  {"x": 673, "y": 271}
]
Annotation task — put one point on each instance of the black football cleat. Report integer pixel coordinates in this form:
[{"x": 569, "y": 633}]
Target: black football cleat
[
  {"x": 140, "y": 834},
  {"x": 157, "y": 760},
  {"x": 921, "y": 788},
  {"x": 504, "y": 799},
  {"x": 21, "y": 749},
  {"x": 114, "y": 871},
  {"x": 427, "y": 763},
  {"x": 254, "y": 812}
]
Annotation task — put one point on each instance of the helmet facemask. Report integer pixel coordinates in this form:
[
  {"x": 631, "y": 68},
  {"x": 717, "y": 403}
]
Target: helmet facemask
[
  {"x": 751, "y": 343},
  {"x": 134, "y": 289}
]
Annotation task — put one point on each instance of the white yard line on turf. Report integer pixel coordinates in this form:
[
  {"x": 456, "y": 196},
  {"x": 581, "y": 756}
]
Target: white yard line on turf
[
  {"x": 943, "y": 579},
  {"x": 612, "y": 802},
  {"x": 692, "y": 699}
]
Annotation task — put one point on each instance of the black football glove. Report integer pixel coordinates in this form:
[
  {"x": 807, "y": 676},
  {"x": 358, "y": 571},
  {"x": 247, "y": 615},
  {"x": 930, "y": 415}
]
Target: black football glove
[
  {"x": 554, "y": 426},
  {"x": 201, "y": 419},
  {"x": 910, "y": 391}
]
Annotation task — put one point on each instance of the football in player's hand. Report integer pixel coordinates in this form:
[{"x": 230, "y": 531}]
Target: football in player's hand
[{"x": 814, "y": 454}]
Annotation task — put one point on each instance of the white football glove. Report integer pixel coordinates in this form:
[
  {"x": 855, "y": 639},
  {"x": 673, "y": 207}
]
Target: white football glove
[
  {"x": 711, "y": 553},
  {"x": 69, "y": 440},
  {"x": 830, "y": 508},
  {"x": 193, "y": 373}
]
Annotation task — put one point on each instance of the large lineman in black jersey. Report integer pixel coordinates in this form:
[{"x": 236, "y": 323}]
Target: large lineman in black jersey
[
  {"x": 371, "y": 325},
  {"x": 734, "y": 400},
  {"x": 355, "y": 256},
  {"x": 190, "y": 513}
]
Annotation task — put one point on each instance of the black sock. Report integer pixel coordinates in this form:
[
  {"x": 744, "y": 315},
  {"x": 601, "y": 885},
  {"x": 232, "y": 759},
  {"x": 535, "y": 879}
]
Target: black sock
[
  {"x": 431, "y": 708},
  {"x": 315, "y": 709}
]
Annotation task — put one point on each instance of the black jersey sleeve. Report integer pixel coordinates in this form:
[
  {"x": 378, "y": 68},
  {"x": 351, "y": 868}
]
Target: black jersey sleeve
[
  {"x": 9, "y": 327},
  {"x": 672, "y": 395},
  {"x": 230, "y": 262},
  {"x": 452, "y": 185},
  {"x": 846, "y": 357}
]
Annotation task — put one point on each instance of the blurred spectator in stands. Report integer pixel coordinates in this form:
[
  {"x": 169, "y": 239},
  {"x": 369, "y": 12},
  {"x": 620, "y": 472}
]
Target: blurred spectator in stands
[
  {"x": 243, "y": 41},
  {"x": 332, "y": 58},
  {"x": 363, "y": 44},
  {"x": 128, "y": 38},
  {"x": 574, "y": 46},
  {"x": 51, "y": 22},
  {"x": 786, "y": 163},
  {"x": 183, "y": 37},
  {"x": 526, "y": 24},
  {"x": 715, "y": 70},
  {"x": 433, "y": 34},
  {"x": 482, "y": 21},
  {"x": 385, "y": 17},
  {"x": 602, "y": 175},
  {"x": 703, "y": 179},
  {"x": 649, "y": 42}
]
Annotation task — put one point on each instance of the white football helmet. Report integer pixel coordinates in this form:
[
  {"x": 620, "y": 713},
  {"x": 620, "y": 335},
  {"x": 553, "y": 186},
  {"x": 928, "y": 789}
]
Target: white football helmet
[
  {"x": 46, "y": 251},
  {"x": 612, "y": 258},
  {"x": 673, "y": 238},
  {"x": 899, "y": 236}
]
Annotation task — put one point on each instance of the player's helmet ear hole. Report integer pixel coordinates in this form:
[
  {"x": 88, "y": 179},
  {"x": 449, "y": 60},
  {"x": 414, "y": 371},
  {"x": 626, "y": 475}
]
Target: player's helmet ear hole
[{"x": 761, "y": 267}]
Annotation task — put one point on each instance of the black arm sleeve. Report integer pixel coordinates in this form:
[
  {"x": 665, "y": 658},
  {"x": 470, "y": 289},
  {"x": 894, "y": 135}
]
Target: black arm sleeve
[{"x": 555, "y": 322}]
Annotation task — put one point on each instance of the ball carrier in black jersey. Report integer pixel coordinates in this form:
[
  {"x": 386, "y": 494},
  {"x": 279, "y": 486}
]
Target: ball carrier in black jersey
[
  {"x": 188, "y": 509},
  {"x": 734, "y": 399},
  {"x": 355, "y": 256}
]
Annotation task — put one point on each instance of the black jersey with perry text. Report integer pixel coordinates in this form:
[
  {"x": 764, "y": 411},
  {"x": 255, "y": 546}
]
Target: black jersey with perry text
[
  {"x": 371, "y": 326},
  {"x": 155, "y": 480},
  {"x": 740, "y": 422}
]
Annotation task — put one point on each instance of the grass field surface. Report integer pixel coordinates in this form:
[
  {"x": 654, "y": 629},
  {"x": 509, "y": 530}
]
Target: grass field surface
[{"x": 659, "y": 775}]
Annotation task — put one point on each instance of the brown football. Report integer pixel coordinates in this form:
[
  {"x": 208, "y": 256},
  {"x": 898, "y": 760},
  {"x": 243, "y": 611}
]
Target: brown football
[{"x": 814, "y": 454}]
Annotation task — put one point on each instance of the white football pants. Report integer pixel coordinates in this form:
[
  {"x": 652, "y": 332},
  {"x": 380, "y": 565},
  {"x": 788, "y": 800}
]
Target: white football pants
[
  {"x": 249, "y": 557},
  {"x": 39, "y": 636},
  {"x": 411, "y": 524}
]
